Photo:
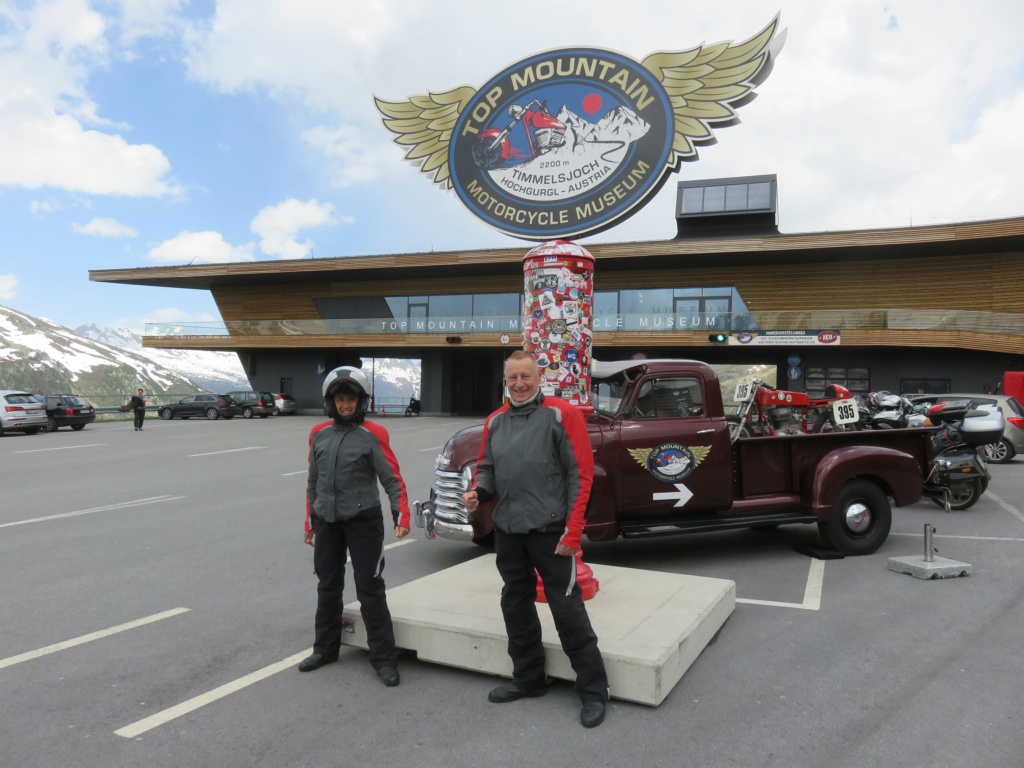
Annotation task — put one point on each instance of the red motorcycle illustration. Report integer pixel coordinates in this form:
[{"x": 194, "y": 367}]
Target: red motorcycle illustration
[{"x": 493, "y": 148}]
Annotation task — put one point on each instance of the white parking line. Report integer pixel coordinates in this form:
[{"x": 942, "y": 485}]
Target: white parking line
[
  {"x": 122, "y": 505},
  {"x": 11, "y": 661},
  {"x": 973, "y": 538},
  {"x": 1015, "y": 512},
  {"x": 62, "y": 448},
  {"x": 230, "y": 450},
  {"x": 435, "y": 448},
  {"x": 812, "y": 591},
  {"x": 301, "y": 472},
  {"x": 158, "y": 719}
]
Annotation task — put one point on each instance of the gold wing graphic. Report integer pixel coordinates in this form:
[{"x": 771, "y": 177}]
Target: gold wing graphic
[
  {"x": 700, "y": 452},
  {"x": 706, "y": 83},
  {"x": 640, "y": 454},
  {"x": 424, "y": 124}
]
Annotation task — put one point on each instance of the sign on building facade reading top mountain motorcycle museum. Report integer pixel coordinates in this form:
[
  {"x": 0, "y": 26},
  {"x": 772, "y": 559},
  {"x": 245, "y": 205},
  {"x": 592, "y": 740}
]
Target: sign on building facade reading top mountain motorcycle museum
[{"x": 569, "y": 142}]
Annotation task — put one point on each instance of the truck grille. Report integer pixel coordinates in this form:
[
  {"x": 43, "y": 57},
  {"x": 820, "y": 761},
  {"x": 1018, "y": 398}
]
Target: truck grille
[{"x": 448, "y": 490}]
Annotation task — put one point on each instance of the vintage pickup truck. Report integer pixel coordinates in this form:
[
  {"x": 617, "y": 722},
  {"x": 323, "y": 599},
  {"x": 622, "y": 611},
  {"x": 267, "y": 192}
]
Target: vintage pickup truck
[{"x": 665, "y": 464}]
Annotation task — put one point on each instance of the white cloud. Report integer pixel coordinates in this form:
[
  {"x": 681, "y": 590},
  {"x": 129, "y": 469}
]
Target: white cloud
[
  {"x": 8, "y": 286},
  {"x": 104, "y": 227},
  {"x": 199, "y": 248},
  {"x": 279, "y": 225},
  {"x": 48, "y": 135},
  {"x": 41, "y": 207},
  {"x": 864, "y": 104}
]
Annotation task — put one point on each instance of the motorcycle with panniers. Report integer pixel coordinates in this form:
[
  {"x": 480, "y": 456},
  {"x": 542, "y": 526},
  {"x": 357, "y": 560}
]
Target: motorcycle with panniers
[{"x": 959, "y": 475}]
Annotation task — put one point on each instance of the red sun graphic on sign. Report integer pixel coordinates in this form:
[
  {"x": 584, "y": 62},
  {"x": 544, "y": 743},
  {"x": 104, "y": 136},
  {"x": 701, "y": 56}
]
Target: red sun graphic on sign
[{"x": 592, "y": 103}]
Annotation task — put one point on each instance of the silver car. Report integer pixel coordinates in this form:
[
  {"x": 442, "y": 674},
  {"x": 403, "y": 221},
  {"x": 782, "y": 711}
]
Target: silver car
[
  {"x": 285, "y": 403},
  {"x": 21, "y": 412},
  {"x": 1012, "y": 441}
]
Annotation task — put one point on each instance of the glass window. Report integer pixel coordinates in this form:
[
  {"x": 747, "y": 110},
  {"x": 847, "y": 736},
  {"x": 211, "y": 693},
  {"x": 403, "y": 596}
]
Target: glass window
[
  {"x": 399, "y": 305},
  {"x": 646, "y": 302},
  {"x": 736, "y": 197},
  {"x": 759, "y": 195},
  {"x": 606, "y": 394},
  {"x": 714, "y": 199},
  {"x": 693, "y": 200},
  {"x": 451, "y": 306},
  {"x": 497, "y": 305},
  {"x": 606, "y": 302},
  {"x": 669, "y": 398}
]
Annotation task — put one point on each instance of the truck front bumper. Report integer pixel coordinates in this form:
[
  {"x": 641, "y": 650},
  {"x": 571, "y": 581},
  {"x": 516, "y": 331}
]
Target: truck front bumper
[{"x": 434, "y": 525}]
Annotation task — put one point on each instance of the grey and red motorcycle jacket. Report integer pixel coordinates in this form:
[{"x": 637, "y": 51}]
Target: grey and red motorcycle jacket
[
  {"x": 345, "y": 461},
  {"x": 537, "y": 460}
]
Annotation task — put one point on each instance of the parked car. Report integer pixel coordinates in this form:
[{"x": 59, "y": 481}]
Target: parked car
[
  {"x": 254, "y": 403},
  {"x": 21, "y": 412},
  {"x": 285, "y": 403},
  {"x": 68, "y": 411},
  {"x": 208, "y": 406},
  {"x": 1012, "y": 441}
]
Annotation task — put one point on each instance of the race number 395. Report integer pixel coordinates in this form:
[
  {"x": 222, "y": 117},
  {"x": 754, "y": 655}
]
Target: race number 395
[
  {"x": 845, "y": 411},
  {"x": 743, "y": 390}
]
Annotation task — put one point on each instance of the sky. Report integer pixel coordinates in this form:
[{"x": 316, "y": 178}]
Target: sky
[{"x": 139, "y": 133}]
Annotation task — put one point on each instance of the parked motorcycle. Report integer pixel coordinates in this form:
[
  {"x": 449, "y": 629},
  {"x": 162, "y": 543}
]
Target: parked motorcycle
[
  {"x": 958, "y": 475},
  {"x": 413, "y": 409},
  {"x": 888, "y": 411},
  {"x": 764, "y": 411}
]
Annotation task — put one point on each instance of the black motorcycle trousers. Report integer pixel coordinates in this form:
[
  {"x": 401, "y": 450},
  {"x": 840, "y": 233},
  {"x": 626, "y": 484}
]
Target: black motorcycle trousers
[
  {"x": 518, "y": 554},
  {"x": 363, "y": 538}
]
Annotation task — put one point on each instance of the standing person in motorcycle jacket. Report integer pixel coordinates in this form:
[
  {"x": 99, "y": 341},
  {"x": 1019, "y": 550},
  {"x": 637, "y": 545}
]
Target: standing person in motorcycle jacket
[
  {"x": 537, "y": 461},
  {"x": 347, "y": 456}
]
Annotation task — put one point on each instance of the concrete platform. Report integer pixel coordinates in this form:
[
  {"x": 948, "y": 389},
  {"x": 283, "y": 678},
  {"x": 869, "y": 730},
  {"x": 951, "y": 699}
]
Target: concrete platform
[{"x": 651, "y": 626}]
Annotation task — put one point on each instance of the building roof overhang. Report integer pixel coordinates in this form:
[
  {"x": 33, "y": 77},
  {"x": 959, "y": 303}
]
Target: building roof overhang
[{"x": 992, "y": 236}]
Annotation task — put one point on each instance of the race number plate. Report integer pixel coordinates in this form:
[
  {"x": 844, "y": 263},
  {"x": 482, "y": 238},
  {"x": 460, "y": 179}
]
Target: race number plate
[
  {"x": 743, "y": 389},
  {"x": 845, "y": 411}
]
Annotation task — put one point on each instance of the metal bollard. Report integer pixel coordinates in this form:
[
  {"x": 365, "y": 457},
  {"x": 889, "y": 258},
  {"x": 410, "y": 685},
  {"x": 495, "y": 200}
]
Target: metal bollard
[{"x": 929, "y": 550}]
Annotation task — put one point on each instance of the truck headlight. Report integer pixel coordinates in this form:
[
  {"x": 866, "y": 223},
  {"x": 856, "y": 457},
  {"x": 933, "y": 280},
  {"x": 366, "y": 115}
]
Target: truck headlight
[
  {"x": 467, "y": 478},
  {"x": 442, "y": 460}
]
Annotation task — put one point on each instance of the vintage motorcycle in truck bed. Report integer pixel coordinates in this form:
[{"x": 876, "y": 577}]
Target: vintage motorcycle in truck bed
[{"x": 665, "y": 463}]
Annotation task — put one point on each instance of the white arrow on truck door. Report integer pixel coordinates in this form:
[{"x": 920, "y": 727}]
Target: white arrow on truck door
[{"x": 683, "y": 495}]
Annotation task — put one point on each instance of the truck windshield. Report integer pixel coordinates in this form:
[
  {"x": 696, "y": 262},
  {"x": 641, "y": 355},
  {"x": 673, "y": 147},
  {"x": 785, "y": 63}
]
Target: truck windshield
[{"x": 606, "y": 394}]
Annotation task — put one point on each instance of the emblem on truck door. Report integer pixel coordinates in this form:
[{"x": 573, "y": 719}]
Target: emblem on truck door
[{"x": 670, "y": 462}]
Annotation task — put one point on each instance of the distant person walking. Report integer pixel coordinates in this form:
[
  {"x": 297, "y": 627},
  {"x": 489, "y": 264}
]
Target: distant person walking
[{"x": 138, "y": 405}]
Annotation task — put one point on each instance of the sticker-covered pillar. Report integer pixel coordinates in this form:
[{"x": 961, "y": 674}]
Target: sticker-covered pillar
[{"x": 558, "y": 278}]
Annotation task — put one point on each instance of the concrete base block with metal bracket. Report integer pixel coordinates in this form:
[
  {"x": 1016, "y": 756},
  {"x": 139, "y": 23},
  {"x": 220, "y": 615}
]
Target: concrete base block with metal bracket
[
  {"x": 937, "y": 568},
  {"x": 928, "y": 566}
]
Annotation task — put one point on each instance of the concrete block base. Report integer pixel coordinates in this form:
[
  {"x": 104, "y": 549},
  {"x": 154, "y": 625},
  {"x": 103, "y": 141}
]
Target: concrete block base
[
  {"x": 650, "y": 626},
  {"x": 938, "y": 568}
]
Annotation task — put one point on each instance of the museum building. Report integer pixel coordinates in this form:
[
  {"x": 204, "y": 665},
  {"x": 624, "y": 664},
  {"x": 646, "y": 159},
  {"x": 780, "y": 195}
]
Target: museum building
[{"x": 923, "y": 308}]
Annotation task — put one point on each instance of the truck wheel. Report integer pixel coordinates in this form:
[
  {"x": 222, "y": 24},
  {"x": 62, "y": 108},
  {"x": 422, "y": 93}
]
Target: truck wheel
[
  {"x": 962, "y": 495},
  {"x": 860, "y": 519},
  {"x": 486, "y": 540}
]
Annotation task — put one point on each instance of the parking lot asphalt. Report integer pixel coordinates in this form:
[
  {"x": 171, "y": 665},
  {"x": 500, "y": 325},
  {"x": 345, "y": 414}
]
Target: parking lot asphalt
[{"x": 156, "y": 594}]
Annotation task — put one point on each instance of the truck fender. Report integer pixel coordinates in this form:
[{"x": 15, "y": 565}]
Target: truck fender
[
  {"x": 897, "y": 473},
  {"x": 602, "y": 523}
]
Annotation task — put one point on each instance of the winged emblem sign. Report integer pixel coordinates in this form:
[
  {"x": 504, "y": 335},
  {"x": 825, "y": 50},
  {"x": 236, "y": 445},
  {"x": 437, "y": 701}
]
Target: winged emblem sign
[{"x": 569, "y": 142}]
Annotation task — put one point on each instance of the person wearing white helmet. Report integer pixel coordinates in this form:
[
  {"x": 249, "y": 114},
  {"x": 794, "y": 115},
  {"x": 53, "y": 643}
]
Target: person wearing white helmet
[{"x": 347, "y": 456}]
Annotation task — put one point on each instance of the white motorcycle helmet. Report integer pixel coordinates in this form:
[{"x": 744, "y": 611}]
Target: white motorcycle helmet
[{"x": 346, "y": 378}]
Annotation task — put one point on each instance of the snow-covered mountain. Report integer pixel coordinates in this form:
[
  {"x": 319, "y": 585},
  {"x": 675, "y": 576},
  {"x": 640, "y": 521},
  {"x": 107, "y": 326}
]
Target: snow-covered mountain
[
  {"x": 214, "y": 371},
  {"x": 38, "y": 355}
]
